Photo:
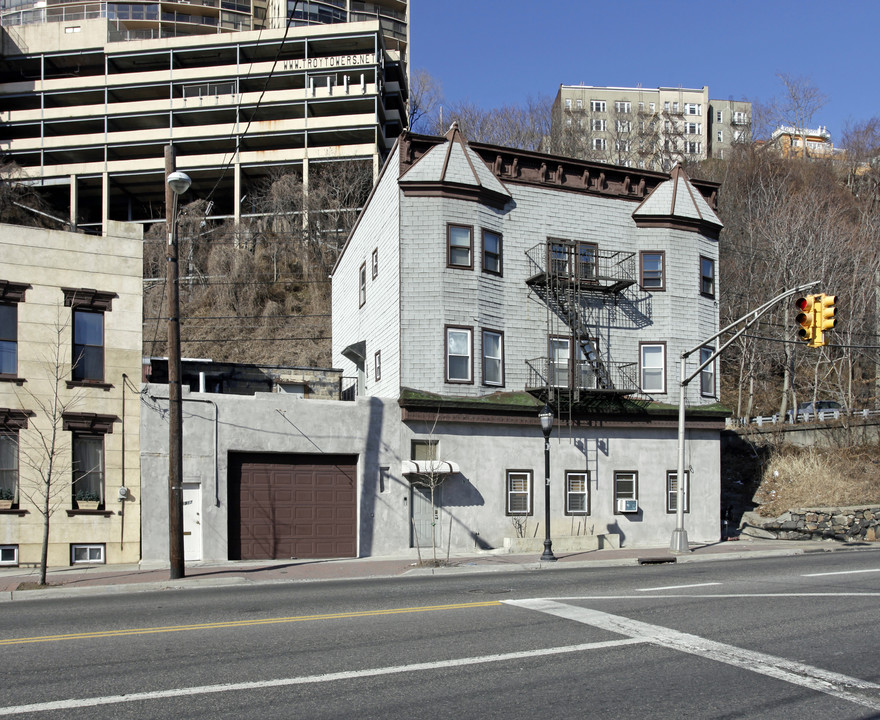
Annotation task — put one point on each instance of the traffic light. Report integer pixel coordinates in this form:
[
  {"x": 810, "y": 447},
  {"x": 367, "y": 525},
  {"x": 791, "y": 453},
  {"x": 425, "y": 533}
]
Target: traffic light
[
  {"x": 806, "y": 318},
  {"x": 825, "y": 321}
]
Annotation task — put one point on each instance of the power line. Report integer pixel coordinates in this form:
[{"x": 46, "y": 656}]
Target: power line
[
  {"x": 236, "y": 317},
  {"x": 251, "y": 339},
  {"x": 203, "y": 283}
]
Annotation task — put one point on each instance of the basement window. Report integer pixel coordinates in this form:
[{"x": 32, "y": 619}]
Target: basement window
[{"x": 87, "y": 554}]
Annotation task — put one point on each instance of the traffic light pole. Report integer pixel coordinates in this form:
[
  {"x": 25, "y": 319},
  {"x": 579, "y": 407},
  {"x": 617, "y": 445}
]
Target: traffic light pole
[{"x": 679, "y": 542}]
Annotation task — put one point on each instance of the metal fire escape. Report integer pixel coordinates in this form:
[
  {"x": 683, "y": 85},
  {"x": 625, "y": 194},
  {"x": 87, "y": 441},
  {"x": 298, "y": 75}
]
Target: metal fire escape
[{"x": 570, "y": 277}]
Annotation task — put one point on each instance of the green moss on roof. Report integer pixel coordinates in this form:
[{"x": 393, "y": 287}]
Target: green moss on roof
[
  {"x": 526, "y": 402},
  {"x": 522, "y": 400}
]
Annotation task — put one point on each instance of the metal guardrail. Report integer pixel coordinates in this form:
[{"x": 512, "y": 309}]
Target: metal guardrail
[{"x": 798, "y": 418}]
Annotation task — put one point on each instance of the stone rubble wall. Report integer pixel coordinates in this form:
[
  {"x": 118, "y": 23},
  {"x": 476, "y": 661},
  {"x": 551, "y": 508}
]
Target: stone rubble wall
[{"x": 859, "y": 524}]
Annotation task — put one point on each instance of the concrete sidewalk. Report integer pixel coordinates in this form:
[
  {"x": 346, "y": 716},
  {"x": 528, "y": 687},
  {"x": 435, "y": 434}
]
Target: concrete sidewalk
[{"x": 104, "y": 579}]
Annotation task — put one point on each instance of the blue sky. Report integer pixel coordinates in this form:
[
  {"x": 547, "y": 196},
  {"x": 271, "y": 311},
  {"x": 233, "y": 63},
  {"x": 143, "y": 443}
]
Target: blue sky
[{"x": 495, "y": 52}]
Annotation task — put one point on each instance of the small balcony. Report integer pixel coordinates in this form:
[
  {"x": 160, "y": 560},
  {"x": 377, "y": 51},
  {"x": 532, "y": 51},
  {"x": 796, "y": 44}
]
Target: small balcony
[
  {"x": 580, "y": 265},
  {"x": 581, "y": 378}
]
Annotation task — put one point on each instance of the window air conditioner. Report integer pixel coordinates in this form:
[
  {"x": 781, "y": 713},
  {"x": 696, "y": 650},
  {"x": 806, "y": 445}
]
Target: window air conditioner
[{"x": 627, "y": 506}]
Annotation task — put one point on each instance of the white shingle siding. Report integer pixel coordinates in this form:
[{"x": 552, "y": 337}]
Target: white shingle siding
[
  {"x": 378, "y": 321},
  {"x": 433, "y": 296}
]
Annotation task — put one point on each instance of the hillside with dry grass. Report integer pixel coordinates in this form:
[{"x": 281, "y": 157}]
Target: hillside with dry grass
[{"x": 818, "y": 477}]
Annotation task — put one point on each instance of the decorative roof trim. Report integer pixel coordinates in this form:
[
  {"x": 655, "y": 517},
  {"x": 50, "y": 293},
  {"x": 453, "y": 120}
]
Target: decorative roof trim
[
  {"x": 704, "y": 227},
  {"x": 526, "y": 167},
  {"x": 456, "y": 191}
]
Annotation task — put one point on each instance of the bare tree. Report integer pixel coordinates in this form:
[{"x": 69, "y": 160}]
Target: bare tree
[
  {"x": 425, "y": 102},
  {"x": 800, "y": 101},
  {"x": 526, "y": 127},
  {"x": 22, "y": 203},
  {"x": 45, "y": 450},
  {"x": 861, "y": 142}
]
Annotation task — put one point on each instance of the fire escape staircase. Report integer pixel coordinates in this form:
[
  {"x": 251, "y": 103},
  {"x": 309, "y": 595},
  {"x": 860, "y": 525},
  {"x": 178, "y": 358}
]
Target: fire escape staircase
[{"x": 563, "y": 274}]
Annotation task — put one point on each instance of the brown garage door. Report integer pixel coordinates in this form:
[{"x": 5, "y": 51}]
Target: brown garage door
[{"x": 292, "y": 506}]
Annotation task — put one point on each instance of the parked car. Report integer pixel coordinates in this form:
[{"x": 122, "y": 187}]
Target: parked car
[{"x": 818, "y": 406}]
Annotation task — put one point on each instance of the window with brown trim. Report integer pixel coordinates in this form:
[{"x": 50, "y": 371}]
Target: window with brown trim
[
  {"x": 493, "y": 357},
  {"x": 362, "y": 285},
  {"x": 88, "y": 431},
  {"x": 626, "y": 487},
  {"x": 652, "y": 270},
  {"x": 377, "y": 365},
  {"x": 492, "y": 252},
  {"x": 89, "y": 306},
  {"x": 707, "y": 277},
  {"x": 374, "y": 263},
  {"x": 459, "y": 354},
  {"x": 707, "y": 374},
  {"x": 460, "y": 246}
]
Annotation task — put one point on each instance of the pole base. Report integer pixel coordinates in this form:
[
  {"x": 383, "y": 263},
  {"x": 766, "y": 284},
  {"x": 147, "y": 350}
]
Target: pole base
[
  {"x": 548, "y": 555},
  {"x": 679, "y": 542}
]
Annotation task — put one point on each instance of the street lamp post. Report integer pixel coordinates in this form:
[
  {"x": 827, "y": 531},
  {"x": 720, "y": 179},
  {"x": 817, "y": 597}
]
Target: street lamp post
[
  {"x": 176, "y": 183},
  {"x": 546, "y": 418}
]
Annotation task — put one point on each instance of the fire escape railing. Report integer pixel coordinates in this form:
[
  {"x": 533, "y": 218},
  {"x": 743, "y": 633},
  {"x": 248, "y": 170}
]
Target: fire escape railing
[{"x": 618, "y": 378}]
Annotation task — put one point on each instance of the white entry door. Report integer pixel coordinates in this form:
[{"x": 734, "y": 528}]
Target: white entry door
[{"x": 192, "y": 521}]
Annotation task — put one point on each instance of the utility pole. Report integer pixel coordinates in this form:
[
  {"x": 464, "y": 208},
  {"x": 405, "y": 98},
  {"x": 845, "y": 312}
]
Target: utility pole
[{"x": 175, "y": 399}]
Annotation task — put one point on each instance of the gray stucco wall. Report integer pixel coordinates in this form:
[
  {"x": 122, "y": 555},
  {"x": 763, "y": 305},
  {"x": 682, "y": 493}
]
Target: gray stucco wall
[{"x": 473, "y": 500}]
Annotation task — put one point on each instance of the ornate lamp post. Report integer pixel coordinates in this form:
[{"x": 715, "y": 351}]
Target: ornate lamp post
[{"x": 546, "y": 418}]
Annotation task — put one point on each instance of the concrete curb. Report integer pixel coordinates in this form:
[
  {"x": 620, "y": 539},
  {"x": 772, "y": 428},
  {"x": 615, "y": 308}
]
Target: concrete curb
[
  {"x": 196, "y": 582},
  {"x": 128, "y": 588}
]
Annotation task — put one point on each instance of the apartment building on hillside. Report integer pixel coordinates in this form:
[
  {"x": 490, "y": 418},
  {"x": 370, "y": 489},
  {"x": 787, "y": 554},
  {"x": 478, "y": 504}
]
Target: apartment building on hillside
[
  {"x": 791, "y": 142},
  {"x": 646, "y": 128},
  {"x": 90, "y": 95}
]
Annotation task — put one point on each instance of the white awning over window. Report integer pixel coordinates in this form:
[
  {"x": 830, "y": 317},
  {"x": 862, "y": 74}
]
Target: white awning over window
[{"x": 426, "y": 467}]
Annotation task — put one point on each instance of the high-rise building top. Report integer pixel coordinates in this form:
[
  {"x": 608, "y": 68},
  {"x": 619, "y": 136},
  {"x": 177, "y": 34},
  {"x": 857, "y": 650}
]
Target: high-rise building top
[
  {"x": 151, "y": 19},
  {"x": 87, "y": 106}
]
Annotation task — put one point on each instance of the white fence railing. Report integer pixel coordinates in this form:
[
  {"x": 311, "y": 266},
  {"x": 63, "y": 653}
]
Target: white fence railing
[{"x": 792, "y": 418}]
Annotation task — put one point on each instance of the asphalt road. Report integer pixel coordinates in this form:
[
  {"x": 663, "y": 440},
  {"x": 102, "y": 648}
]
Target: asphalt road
[{"x": 762, "y": 638}]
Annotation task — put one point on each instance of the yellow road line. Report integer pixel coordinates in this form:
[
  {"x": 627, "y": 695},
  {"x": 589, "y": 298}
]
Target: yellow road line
[{"x": 243, "y": 623}]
